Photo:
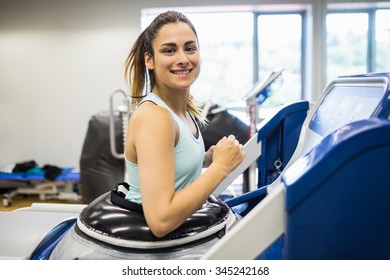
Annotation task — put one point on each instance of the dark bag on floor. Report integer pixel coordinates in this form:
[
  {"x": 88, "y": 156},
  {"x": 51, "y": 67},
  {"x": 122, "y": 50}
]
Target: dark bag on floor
[{"x": 24, "y": 166}]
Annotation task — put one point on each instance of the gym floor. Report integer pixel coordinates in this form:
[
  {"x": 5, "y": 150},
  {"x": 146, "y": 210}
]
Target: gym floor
[{"x": 20, "y": 201}]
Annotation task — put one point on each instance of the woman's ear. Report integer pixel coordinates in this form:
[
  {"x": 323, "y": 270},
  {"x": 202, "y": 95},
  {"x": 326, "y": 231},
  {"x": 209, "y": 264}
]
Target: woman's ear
[{"x": 149, "y": 61}]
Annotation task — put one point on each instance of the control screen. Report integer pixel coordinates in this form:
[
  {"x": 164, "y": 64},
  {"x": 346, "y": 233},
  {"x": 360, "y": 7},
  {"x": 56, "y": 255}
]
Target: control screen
[{"x": 343, "y": 105}]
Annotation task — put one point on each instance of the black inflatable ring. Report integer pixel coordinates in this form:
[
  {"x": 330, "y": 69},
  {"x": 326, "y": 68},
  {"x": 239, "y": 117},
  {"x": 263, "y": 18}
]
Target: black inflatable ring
[{"x": 114, "y": 225}]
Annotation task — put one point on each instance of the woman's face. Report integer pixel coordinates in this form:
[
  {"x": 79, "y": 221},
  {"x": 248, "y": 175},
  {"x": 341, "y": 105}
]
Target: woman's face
[{"x": 176, "y": 61}]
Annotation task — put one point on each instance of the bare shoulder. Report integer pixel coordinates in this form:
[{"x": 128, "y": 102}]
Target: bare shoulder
[
  {"x": 152, "y": 117},
  {"x": 151, "y": 114}
]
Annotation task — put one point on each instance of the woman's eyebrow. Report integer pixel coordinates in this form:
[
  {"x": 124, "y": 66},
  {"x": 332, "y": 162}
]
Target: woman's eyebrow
[
  {"x": 174, "y": 44},
  {"x": 168, "y": 45},
  {"x": 190, "y": 43}
]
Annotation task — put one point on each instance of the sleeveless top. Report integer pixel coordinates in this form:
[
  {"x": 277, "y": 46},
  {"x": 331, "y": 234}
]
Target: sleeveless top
[{"x": 189, "y": 155}]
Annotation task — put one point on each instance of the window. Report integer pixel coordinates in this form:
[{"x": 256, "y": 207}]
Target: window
[
  {"x": 382, "y": 39},
  {"x": 280, "y": 47},
  {"x": 346, "y": 44},
  {"x": 357, "y": 41}
]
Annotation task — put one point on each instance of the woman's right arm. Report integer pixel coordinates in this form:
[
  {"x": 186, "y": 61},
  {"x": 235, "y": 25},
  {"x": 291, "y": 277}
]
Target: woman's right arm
[{"x": 154, "y": 140}]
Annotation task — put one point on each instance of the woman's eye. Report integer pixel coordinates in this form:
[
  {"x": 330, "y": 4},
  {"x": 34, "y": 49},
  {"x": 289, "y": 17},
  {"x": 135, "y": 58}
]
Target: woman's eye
[
  {"x": 169, "y": 51},
  {"x": 191, "y": 49}
]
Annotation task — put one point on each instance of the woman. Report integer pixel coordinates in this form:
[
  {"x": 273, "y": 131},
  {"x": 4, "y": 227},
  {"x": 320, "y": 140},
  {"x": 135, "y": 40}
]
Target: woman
[{"x": 164, "y": 148}]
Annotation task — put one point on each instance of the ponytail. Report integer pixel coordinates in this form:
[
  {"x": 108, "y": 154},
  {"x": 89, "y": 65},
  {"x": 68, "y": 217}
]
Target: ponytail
[{"x": 135, "y": 70}]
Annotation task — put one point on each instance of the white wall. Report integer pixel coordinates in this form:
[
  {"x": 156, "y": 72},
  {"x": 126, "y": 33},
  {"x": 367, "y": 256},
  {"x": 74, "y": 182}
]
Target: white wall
[{"x": 60, "y": 61}]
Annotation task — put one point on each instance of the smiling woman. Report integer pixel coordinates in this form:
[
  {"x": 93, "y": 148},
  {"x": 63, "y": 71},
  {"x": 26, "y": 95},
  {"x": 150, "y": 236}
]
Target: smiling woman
[{"x": 164, "y": 149}]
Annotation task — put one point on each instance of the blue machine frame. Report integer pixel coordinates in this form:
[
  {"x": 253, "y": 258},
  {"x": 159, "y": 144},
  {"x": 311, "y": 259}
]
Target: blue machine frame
[{"x": 337, "y": 196}]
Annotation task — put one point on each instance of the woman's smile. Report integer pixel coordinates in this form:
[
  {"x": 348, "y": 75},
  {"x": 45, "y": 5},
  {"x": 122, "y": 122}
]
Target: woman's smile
[{"x": 181, "y": 72}]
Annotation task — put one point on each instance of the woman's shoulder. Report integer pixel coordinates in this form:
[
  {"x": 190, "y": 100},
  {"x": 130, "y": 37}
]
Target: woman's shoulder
[
  {"x": 150, "y": 121},
  {"x": 150, "y": 113}
]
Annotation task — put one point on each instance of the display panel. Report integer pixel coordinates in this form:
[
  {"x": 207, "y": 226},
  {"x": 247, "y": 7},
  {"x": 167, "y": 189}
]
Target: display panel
[{"x": 343, "y": 105}]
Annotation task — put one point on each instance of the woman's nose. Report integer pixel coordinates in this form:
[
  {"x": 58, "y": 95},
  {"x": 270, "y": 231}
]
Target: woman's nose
[{"x": 182, "y": 57}]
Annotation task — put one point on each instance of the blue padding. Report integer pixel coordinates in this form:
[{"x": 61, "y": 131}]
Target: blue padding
[
  {"x": 268, "y": 125},
  {"x": 326, "y": 158},
  {"x": 67, "y": 175},
  {"x": 279, "y": 136},
  {"x": 337, "y": 196}
]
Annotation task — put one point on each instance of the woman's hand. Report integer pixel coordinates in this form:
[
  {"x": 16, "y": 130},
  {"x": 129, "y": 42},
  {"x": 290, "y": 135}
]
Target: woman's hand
[{"x": 227, "y": 154}]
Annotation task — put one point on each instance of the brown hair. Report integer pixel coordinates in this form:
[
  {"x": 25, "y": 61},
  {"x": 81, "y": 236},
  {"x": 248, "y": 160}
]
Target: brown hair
[{"x": 135, "y": 70}]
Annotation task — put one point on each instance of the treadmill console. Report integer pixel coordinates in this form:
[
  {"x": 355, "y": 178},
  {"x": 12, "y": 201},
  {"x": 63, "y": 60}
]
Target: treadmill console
[{"x": 344, "y": 104}]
